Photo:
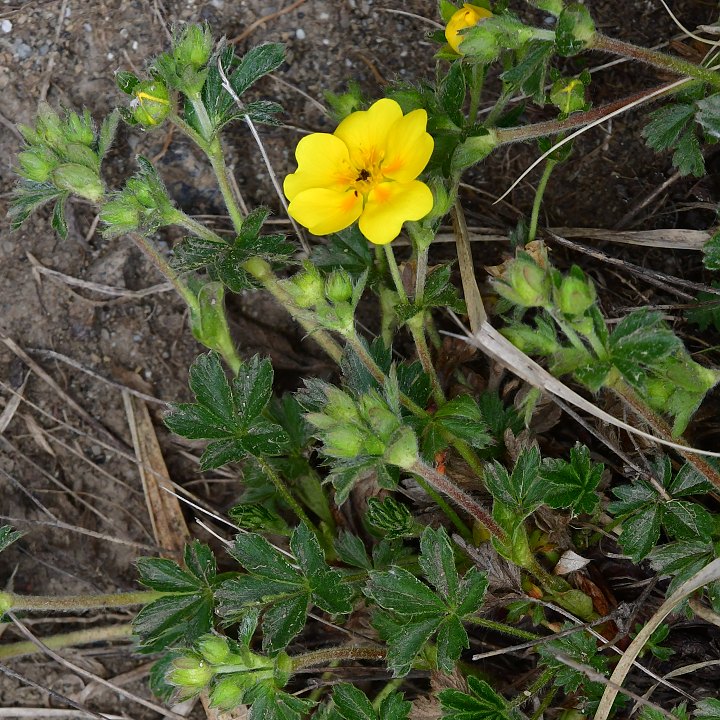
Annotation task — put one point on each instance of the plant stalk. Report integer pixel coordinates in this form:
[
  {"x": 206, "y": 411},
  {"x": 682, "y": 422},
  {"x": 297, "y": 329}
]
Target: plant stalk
[
  {"x": 329, "y": 655},
  {"x": 547, "y": 172},
  {"x": 65, "y": 603}
]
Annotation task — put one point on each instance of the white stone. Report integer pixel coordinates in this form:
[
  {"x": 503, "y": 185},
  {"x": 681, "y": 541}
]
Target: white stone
[
  {"x": 300, "y": 34},
  {"x": 6, "y": 26}
]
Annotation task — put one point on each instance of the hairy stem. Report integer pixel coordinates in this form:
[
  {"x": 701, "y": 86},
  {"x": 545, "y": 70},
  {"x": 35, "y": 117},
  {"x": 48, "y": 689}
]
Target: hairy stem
[
  {"x": 416, "y": 325},
  {"x": 287, "y": 496},
  {"x": 395, "y": 273},
  {"x": 502, "y": 628},
  {"x": 662, "y": 61},
  {"x": 217, "y": 160},
  {"x": 439, "y": 500},
  {"x": 48, "y": 603},
  {"x": 547, "y": 172},
  {"x": 329, "y": 655},
  {"x": 459, "y": 497}
]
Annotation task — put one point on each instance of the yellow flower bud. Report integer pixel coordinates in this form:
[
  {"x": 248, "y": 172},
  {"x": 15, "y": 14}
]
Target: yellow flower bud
[{"x": 468, "y": 16}]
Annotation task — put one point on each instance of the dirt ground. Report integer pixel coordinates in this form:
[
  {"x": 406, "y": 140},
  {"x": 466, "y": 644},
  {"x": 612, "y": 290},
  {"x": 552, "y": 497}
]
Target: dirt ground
[{"x": 62, "y": 474}]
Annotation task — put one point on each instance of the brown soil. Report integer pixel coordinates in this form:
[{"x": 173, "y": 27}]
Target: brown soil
[{"x": 56, "y": 466}]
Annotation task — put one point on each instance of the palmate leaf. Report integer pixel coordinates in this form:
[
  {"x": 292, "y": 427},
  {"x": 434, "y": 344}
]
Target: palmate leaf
[
  {"x": 351, "y": 703},
  {"x": 185, "y": 614},
  {"x": 572, "y": 484},
  {"x": 523, "y": 490},
  {"x": 481, "y": 703},
  {"x": 414, "y": 612},
  {"x": 228, "y": 413},
  {"x": 283, "y": 592}
]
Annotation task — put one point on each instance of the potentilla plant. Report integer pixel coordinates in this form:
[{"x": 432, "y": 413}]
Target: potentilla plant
[{"x": 408, "y": 516}]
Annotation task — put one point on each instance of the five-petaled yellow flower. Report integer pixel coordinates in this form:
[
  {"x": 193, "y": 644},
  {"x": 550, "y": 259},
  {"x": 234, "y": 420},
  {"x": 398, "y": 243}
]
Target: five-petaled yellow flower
[
  {"x": 366, "y": 170},
  {"x": 466, "y": 17}
]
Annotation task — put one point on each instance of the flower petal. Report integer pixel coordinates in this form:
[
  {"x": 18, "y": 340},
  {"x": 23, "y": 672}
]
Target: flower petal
[
  {"x": 408, "y": 148},
  {"x": 389, "y": 205},
  {"x": 365, "y": 131},
  {"x": 324, "y": 211},
  {"x": 323, "y": 161}
]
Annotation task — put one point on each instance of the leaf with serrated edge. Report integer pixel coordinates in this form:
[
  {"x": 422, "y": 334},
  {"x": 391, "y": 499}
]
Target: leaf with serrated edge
[{"x": 437, "y": 562}]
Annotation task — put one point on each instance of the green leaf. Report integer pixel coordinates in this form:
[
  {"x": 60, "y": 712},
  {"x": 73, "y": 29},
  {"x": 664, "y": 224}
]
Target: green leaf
[
  {"x": 529, "y": 72},
  {"x": 407, "y": 642},
  {"x": 688, "y": 157},
  {"x": 666, "y": 126},
  {"x": 482, "y": 703},
  {"x": 351, "y": 550},
  {"x": 258, "y": 61},
  {"x": 348, "y": 249},
  {"x": 709, "y": 115},
  {"x": 572, "y": 484},
  {"x": 687, "y": 520},
  {"x": 283, "y": 621},
  {"x": 352, "y": 703},
  {"x": 452, "y": 93},
  {"x": 27, "y": 198},
  {"x": 437, "y": 562},
  {"x": 707, "y": 312},
  {"x": 711, "y": 254},
  {"x": 400, "y": 591},
  {"x": 523, "y": 489},
  {"x": 391, "y": 517},
  {"x": 211, "y": 387},
  {"x": 708, "y": 709},
  {"x": 689, "y": 481},
  {"x": 8, "y": 536}
]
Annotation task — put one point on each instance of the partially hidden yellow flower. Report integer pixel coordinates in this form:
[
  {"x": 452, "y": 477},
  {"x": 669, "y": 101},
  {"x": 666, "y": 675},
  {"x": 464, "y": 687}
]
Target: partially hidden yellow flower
[
  {"x": 468, "y": 16},
  {"x": 366, "y": 170}
]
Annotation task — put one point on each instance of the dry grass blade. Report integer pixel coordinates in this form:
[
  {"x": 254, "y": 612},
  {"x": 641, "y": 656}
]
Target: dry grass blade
[
  {"x": 91, "y": 676},
  {"x": 12, "y": 405},
  {"x": 490, "y": 341},
  {"x": 708, "y": 574},
  {"x": 168, "y": 523}
]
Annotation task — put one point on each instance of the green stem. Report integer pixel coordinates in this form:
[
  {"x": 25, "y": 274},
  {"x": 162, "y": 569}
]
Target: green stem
[
  {"x": 545, "y": 704},
  {"x": 329, "y": 655},
  {"x": 416, "y": 325},
  {"x": 217, "y": 160},
  {"x": 547, "y": 172},
  {"x": 662, "y": 61},
  {"x": 178, "y": 217},
  {"x": 421, "y": 273},
  {"x": 580, "y": 119},
  {"x": 287, "y": 496},
  {"x": 48, "y": 603},
  {"x": 538, "y": 684},
  {"x": 572, "y": 336},
  {"x": 502, "y": 628},
  {"x": 389, "y": 688},
  {"x": 260, "y": 269},
  {"x": 69, "y": 639},
  {"x": 459, "y": 497},
  {"x": 395, "y": 273},
  {"x": 157, "y": 259},
  {"x": 450, "y": 514},
  {"x": 477, "y": 78}
]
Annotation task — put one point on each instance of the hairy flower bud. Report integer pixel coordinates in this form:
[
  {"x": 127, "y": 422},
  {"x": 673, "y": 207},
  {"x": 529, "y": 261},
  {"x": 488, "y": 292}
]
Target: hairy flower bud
[
  {"x": 468, "y": 16},
  {"x": 402, "y": 450},
  {"x": 79, "y": 180},
  {"x": 190, "y": 672},
  {"x": 213, "y": 648},
  {"x": 37, "y": 164},
  {"x": 525, "y": 283},
  {"x": 576, "y": 293},
  {"x": 307, "y": 288},
  {"x": 343, "y": 442},
  {"x": 151, "y": 103},
  {"x": 338, "y": 286},
  {"x": 227, "y": 693}
]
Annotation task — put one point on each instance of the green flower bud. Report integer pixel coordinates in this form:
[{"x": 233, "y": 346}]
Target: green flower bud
[
  {"x": 80, "y": 129},
  {"x": 554, "y": 7},
  {"x": 686, "y": 373},
  {"x": 214, "y": 648},
  {"x": 227, "y": 693},
  {"x": 473, "y": 150},
  {"x": 340, "y": 405},
  {"x": 307, "y": 288},
  {"x": 338, "y": 286},
  {"x": 382, "y": 420},
  {"x": 576, "y": 293},
  {"x": 37, "y": 164},
  {"x": 193, "y": 47},
  {"x": 49, "y": 127},
  {"x": 344, "y": 442},
  {"x": 402, "y": 449},
  {"x": 81, "y": 155},
  {"x": 568, "y": 95},
  {"x": 373, "y": 446},
  {"x": 575, "y": 30},
  {"x": 658, "y": 392},
  {"x": 190, "y": 672},
  {"x": 525, "y": 283},
  {"x": 120, "y": 215},
  {"x": 341, "y": 318},
  {"x": 79, "y": 180},
  {"x": 531, "y": 341},
  {"x": 151, "y": 103}
]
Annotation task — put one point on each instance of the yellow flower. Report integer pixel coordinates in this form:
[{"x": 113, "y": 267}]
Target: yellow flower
[
  {"x": 366, "y": 170},
  {"x": 468, "y": 16}
]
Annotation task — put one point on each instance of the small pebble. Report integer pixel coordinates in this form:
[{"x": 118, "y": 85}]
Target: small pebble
[
  {"x": 6, "y": 26},
  {"x": 300, "y": 34},
  {"x": 110, "y": 56},
  {"x": 23, "y": 51},
  {"x": 134, "y": 44},
  {"x": 219, "y": 4},
  {"x": 87, "y": 27}
]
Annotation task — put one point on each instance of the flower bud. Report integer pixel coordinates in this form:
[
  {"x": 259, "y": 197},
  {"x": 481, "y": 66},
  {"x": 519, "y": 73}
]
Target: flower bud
[
  {"x": 576, "y": 294},
  {"x": 341, "y": 319},
  {"x": 307, "y": 288},
  {"x": 227, "y": 693},
  {"x": 338, "y": 286},
  {"x": 49, "y": 126},
  {"x": 402, "y": 449},
  {"x": 80, "y": 129},
  {"x": 381, "y": 419},
  {"x": 37, "y": 163},
  {"x": 190, "y": 672},
  {"x": 525, "y": 283},
  {"x": 685, "y": 373},
  {"x": 468, "y": 16},
  {"x": 193, "y": 47},
  {"x": 575, "y": 30},
  {"x": 373, "y": 445},
  {"x": 343, "y": 442},
  {"x": 151, "y": 103},
  {"x": 340, "y": 405},
  {"x": 120, "y": 215},
  {"x": 214, "y": 648},
  {"x": 79, "y": 180},
  {"x": 81, "y": 155}
]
